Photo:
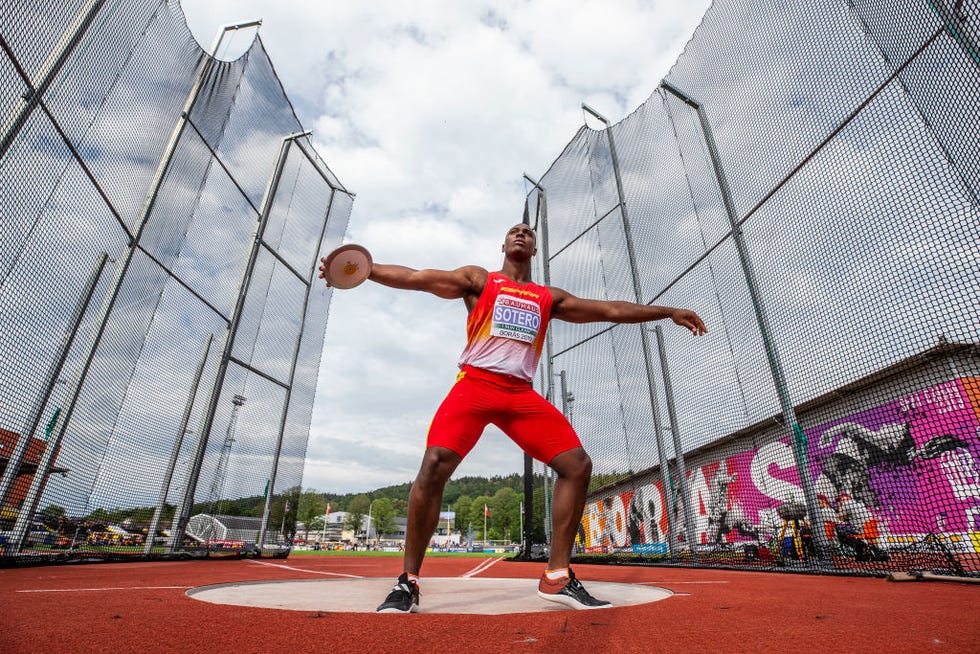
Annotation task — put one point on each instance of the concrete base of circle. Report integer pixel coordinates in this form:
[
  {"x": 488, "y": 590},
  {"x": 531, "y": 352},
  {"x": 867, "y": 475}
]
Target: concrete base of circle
[{"x": 454, "y": 595}]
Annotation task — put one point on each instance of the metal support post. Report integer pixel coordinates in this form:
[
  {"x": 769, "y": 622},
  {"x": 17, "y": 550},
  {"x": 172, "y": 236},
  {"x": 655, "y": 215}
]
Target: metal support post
[
  {"x": 46, "y": 75},
  {"x": 296, "y": 348},
  {"x": 541, "y": 223},
  {"x": 148, "y": 206},
  {"x": 644, "y": 339},
  {"x": 16, "y": 458},
  {"x": 796, "y": 433},
  {"x": 962, "y": 31},
  {"x": 675, "y": 434},
  {"x": 230, "y": 335},
  {"x": 954, "y": 23},
  {"x": 26, "y": 514},
  {"x": 175, "y": 455},
  {"x": 526, "y": 510}
]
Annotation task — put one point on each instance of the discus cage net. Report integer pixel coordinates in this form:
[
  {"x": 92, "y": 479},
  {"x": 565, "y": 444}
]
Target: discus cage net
[
  {"x": 806, "y": 178},
  {"x": 160, "y": 324}
]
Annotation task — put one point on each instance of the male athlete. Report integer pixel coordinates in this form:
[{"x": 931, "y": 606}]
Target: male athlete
[{"x": 508, "y": 317}]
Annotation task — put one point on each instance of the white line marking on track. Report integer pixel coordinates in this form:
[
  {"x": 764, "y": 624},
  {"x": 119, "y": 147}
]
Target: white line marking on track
[
  {"x": 658, "y": 583},
  {"x": 78, "y": 590},
  {"x": 314, "y": 572},
  {"x": 483, "y": 566}
]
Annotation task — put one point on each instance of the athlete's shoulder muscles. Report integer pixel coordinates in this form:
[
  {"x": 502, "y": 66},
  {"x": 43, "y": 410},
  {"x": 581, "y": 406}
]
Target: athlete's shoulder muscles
[{"x": 476, "y": 277}]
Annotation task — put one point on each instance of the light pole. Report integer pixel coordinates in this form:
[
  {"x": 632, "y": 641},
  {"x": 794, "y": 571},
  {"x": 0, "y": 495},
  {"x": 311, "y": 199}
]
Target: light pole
[
  {"x": 449, "y": 527},
  {"x": 282, "y": 526},
  {"x": 367, "y": 533},
  {"x": 522, "y": 517}
]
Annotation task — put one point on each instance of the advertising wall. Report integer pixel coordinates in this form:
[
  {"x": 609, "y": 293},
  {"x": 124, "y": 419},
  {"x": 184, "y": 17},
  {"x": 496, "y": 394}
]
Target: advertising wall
[{"x": 909, "y": 467}]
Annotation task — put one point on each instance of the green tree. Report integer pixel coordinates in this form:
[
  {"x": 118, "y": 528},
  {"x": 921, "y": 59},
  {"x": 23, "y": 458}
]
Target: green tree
[
  {"x": 462, "y": 509},
  {"x": 139, "y": 517},
  {"x": 312, "y": 506},
  {"x": 52, "y": 512},
  {"x": 383, "y": 515},
  {"x": 357, "y": 509},
  {"x": 505, "y": 508}
]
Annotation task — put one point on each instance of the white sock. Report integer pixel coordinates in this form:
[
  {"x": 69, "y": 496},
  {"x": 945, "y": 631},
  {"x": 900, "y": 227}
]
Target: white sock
[{"x": 556, "y": 574}]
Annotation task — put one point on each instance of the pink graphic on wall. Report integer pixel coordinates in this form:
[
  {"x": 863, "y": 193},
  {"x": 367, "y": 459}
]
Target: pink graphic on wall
[{"x": 913, "y": 463}]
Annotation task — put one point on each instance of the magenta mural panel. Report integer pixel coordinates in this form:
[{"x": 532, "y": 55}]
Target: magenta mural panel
[
  {"x": 908, "y": 467},
  {"x": 912, "y": 462}
]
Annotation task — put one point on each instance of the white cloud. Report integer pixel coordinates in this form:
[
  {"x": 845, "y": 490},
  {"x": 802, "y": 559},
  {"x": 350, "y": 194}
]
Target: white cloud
[{"x": 430, "y": 112}]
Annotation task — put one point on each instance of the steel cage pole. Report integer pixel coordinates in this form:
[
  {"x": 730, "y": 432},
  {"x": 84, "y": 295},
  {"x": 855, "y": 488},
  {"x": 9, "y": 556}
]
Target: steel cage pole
[
  {"x": 150, "y": 202},
  {"x": 675, "y": 434},
  {"x": 796, "y": 433},
  {"x": 20, "y": 450},
  {"x": 292, "y": 370},
  {"x": 165, "y": 161},
  {"x": 56, "y": 60},
  {"x": 955, "y": 22},
  {"x": 566, "y": 411},
  {"x": 25, "y": 515},
  {"x": 644, "y": 339},
  {"x": 207, "y": 424},
  {"x": 175, "y": 455},
  {"x": 542, "y": 220}
]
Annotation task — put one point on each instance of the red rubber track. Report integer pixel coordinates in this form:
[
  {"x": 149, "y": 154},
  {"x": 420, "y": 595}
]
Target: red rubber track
[{"x": 142, "y": 607}]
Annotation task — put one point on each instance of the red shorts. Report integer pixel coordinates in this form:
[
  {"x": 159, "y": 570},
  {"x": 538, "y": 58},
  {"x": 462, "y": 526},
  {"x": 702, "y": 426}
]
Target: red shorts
[{"x": 481, "y": 397}]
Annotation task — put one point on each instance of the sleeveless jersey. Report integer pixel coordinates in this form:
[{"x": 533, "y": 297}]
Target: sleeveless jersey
[{"x": 505, "y": 331}]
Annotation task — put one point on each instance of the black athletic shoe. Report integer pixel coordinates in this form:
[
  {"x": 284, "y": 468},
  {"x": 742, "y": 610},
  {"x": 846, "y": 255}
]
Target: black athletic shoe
[
  {"x": 569, "y": 592},
  {"x": 403, "y": 598}
]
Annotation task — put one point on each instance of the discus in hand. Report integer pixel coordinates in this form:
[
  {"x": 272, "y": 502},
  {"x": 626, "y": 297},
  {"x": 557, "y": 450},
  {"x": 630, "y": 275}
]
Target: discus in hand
[{"x": 347, "y": 266}]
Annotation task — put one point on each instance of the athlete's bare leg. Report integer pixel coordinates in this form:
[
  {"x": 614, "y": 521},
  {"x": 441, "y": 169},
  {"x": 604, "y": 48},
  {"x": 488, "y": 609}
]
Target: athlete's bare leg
[
  {"x": 574, "y": 469},
  {"x": 425, "y": 501}
]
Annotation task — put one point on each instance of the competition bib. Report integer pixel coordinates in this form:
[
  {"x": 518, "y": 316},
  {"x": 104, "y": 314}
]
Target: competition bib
[{"x": 515, "y": 318}]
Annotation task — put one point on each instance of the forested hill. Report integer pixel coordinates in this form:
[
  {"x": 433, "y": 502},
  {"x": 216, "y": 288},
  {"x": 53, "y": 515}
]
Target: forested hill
[{"x": 456, "y": 488}]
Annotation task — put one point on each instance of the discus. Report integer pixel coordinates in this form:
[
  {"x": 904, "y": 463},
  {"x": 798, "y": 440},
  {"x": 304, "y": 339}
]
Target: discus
[{"x": 347, "y": 266}]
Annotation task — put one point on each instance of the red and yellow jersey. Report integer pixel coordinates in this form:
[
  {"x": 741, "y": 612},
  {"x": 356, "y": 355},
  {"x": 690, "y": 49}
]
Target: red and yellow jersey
[{"x": 505, "y": 331}]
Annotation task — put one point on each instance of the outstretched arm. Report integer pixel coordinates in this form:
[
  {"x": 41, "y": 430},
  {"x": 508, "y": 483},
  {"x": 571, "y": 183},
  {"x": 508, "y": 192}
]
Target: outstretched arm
[
  {"x": 464, "y": 282},
  {"x": 569, "y": 308}
]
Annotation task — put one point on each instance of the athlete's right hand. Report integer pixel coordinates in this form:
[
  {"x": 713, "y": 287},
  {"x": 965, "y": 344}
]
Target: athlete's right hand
[{"x": 323, "y": 271}]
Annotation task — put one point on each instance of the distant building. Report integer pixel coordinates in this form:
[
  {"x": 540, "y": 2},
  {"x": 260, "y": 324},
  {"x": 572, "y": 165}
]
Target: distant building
[
  {"x": 334, "y": 529},
  {"x": 25, "y": 473}
]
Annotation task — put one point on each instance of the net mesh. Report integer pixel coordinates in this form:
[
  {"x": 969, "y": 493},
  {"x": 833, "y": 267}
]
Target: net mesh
[
  {"x": 160, "y": 324},
  {"x": 806, "y": 179}
]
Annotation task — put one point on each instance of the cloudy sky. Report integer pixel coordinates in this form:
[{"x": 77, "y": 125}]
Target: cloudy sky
[{"x": 431, "y": 112}]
